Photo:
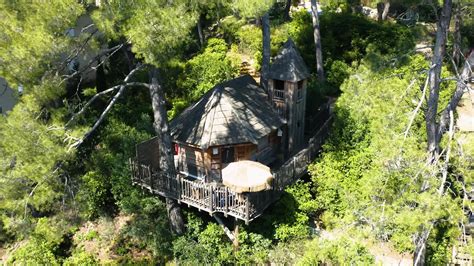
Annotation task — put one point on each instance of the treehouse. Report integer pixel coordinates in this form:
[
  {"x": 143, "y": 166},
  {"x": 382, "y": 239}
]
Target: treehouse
[
  {"x": 238, "y": 146},
  {"x": 232, "y": 122}
]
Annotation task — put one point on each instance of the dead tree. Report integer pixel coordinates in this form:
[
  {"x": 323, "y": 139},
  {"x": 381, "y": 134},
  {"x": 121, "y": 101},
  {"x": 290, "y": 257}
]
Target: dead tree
[
  {"x": 432, "y": 130},
  {"x": 434, "y": 81},
  {"x": 317, "y": 41}
]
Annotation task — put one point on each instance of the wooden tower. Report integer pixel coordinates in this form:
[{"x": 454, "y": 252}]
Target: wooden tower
[{"x": 287, "y": 81}]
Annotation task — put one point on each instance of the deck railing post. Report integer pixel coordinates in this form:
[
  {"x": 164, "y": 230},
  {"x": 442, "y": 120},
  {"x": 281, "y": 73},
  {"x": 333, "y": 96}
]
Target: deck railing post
[
  {"x": 211, "y": 199},
  {"x": 247, "y": 209},
  {"x": 178, "y": 190},
  {"x": 226, "y": 201},
  {"x": 150, "y": 177}
]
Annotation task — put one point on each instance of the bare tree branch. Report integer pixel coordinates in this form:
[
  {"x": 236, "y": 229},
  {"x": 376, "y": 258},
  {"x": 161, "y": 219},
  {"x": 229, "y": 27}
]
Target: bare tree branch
[
  {"x": 461, "y": 87},
  {"x": 97, "y": 95},
  {"x": 109, "y": 107},
  {"x": 415, "y": 112}
]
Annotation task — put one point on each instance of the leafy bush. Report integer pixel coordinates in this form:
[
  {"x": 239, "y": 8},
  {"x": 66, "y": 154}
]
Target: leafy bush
[
  {"x": 253, "y": 248},
  {"x": 81, "y": 258},
  {"x": 207, "y": 69},
  {"x": 201, "y": 245},
  {"x": 44, "y": 245},
  {"x": 341, "y": 251},
  {"x": 149, "y": 229},
  {"x": 250, "y": 39}
]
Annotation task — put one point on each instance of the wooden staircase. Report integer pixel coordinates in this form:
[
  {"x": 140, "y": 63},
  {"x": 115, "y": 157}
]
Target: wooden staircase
[{"x": 247, "y": 68}]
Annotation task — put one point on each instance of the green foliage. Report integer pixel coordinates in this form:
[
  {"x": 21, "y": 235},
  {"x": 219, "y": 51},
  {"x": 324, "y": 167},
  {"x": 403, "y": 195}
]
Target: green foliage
[
  {"x": 32, "y": 163},
  {"x": 81, "y": 258},
  {"x": 253, "y": 248},
  {"x": 149, "y": 228},
  {"x": 371, "y": 173},
  {"x": 33, "y": 34},
  {"x": 107, "y": 180},
  {"x": 202, "y": 245},
  {"x": 138, "y": 21},
  {"x": 43, "y": 247},
  {"x": 347, "y": 38},
  {"x": 250, "y": 39},
  {"x": 340, "y": 251},
  {"x": 205, "y": 70},
  {"x": 287, "y": 253},
  {"x": 252, "y": 9},
  {"x": 290, "y": 216}
]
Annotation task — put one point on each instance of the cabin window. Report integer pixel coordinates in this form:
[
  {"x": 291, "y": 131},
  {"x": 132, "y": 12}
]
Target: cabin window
[
  {"x": 227, "y": 155},
  {"x": 279, "y": 91},
  {"x": 215, "y": 151},
  {"x": 279, "y": 132},
  {"x": 300, "y": 89},
  {"x": 192, "y": 170}
]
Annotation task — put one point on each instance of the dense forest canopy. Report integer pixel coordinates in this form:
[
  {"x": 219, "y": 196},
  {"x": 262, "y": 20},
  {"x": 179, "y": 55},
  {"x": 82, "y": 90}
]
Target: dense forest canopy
[{"x": 87, "y": 67}]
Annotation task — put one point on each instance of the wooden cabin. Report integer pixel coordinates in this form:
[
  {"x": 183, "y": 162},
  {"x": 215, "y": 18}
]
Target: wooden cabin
[
  {"x": 237, "y": 120},
  {"x": 234, "y": 121}
]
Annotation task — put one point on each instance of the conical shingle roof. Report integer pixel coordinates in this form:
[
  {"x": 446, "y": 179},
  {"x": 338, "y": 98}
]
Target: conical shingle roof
[
  {"x": 236, "y": 111},
  {"x": 288, "y": 65}
]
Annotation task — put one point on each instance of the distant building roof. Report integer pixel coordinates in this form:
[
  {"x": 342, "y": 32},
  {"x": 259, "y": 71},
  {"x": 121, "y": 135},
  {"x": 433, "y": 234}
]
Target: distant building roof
[
  {"x": 236, "y": 111},
  {"x": 288, "y": 64}
]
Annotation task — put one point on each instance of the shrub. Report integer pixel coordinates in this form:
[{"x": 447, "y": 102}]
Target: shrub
[
  {"x": 340, "y": 251},
  {"x": 207, "y": 69},
  {"x": 250, "y": 39}
]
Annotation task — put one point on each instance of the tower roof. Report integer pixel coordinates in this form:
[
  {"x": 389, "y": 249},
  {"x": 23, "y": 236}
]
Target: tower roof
[
  {"x": 288, "y": 65},
  {"x": 236, "y": 111}
]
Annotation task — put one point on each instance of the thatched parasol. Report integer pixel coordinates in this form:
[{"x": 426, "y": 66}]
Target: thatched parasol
[{"x": 247, "y": 176}]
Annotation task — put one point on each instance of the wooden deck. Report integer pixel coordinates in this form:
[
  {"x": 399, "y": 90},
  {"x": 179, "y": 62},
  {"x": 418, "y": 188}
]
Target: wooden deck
[{"x": 216, "y": 198}]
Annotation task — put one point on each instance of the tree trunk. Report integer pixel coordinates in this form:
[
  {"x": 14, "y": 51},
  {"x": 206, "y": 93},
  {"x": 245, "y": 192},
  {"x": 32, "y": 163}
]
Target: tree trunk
[
  {"x": 457, "y": 34},
  {"x": 431, "y": 113},
  {"x": 286, "y": 15},
  {"x": 266, "y": 50},
  {"x": 199, "y": 28},
  {"x": 386, "y": 7},
  {"x": 317, "y": 41},
  {"x": 461, "y": 86},
  {"x": 435, "y": 79},
  {"x": 380, "y": 8},
  {"x": 165, "y": 148}
]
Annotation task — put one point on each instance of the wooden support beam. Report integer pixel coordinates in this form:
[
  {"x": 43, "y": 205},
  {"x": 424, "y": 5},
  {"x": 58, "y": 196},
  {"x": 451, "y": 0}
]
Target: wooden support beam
[{"x": 226, "y": 230}]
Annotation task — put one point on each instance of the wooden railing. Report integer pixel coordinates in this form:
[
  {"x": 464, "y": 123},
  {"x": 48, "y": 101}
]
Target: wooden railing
[
  {"x": 218, "y": 198},
  {"x": 279, "y": 94}
]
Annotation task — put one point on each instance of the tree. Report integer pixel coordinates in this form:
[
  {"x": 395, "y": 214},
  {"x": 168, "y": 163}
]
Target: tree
[
  {"x": 317, "y": 41},
  {"x": 167, "y": 166},
  {"x": 286, "y": 14},
  {"x": 382, "y": 10},
  {"x": 457, "y": 51},
  {"x": 434, "y": 81},
  {"x": 266, "y": 50}
]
